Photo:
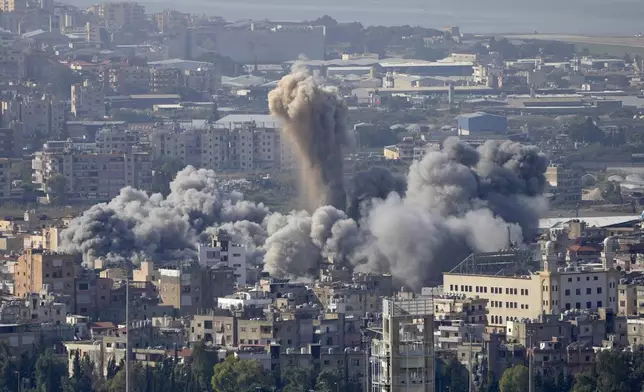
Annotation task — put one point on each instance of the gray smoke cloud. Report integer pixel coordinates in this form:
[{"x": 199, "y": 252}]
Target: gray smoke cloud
[
  {"x": 135, "y": 225},
  {"x": 314, "y": 118},
  {"x": 454, "y": 201}
]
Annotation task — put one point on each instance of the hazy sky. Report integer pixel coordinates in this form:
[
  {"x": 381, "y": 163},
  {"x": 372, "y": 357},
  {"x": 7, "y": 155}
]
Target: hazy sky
[{"x": 545, "y": 16}]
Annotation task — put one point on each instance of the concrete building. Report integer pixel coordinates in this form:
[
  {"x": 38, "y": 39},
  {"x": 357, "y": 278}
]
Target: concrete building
[
  {"x": 518, "y": 294},
  {"x": 186, "y": 287},
  {"x": 165, "y": 80},
  {"x": 9, "y": 172},
  {"x": 39, "y": 268},
  {"x": 90, "y": 175},
  {"x": 12, "y": 62},
  {"x": 116, "y": 141},
  {"x": 627, "y": 299},
  {"x": 116, "y": 15},
  {"x": 185, "y": 146},
  {"x": 40, "y": 115},
  {"x": 129, "y": 79},
  {"x": 402, "y": 358},
  {"x": 13, "y": 5},
  {"x": 11, "y": 141},
  {"x": 222, "y": 250},
  {"x": 565, "y": 183},
  {"x": 171, "y": 20},
  {"x": 88, "y": 100}
]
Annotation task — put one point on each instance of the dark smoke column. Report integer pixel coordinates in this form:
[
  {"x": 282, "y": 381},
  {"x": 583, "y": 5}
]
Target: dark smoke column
[{"x": 314, "y": 118}]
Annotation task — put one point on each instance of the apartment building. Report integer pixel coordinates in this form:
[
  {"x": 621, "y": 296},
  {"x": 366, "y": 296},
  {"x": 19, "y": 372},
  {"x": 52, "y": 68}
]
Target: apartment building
[
  {"x": 526, "y": 295},
  {"x": 88, "y": 100},
  {"x": 90, "y": 175},
  {"x": 12, "y": 62},
  {"x": 222, "y": 250},
  {"x": 116, "y": 15},
  {"x": 165, "y": 80},
  {"x": 39, "y": 114},
  {"x": 169, "y": 20},
  {"x": 360, "y": 296},
  {"x": 40, "y": 268},
  {"x": 9, "y": 172},
  {"x": 186, "y": 287},
  {"x": 565, "y": 182},
  {"x": 202, "y": 79},
  {"x": 13, "y": 5},
  {"x": 11, "y": 141},
  {"x": 178, "y": 144},
  {"x": 116, "y": 141},
  {"x": 48, "y": 238},
  {"x": 129, "y": 79}
]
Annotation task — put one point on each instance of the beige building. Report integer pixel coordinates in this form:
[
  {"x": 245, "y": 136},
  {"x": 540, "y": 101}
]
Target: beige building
[
  {"x": 178, "y": 144},
  {"x": 12, "y": 5},
  {"x": 187, "y": 288},
  {"x": 627, "y": 299},
  {"x": 37, "y": 268},
  {"x": 169, "y": 20},
  {"x": 565, "y": 182},
  {"x": 525, "y": 295}
]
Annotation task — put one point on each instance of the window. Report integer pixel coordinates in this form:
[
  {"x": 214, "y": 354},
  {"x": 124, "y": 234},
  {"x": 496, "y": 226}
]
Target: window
[
  {"x": 567, "y": 292},
  {"x": 577, "y": 305},
  {"x": 567, "y": 306},
  {"x": 589, "y": 305},
  {"x": 599, "y": 290},
  {"x": 589, "y": 291},
  {"x": 599, "y": 304},
  {"x": 595, "y": 278},
  {"x": 578, "y": 291},
  {"x": 569, "y": 279}
]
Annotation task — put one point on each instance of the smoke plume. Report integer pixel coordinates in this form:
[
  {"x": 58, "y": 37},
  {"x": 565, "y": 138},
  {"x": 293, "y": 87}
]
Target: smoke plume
[
  {"x": 314, "y": 118},
  {"x": 454, "y": 201}
]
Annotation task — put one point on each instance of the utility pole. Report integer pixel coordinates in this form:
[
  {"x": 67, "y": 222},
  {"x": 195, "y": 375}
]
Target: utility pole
[
  {"x": 471, "y": 381},
  {"x": 530, "y": 367},
  {"x": 127, "y": 327}
]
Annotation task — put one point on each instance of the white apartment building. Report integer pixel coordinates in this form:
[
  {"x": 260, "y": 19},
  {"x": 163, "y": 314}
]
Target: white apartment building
[
  {"x": 88, "y": 100},
  {"x": 224, "y": 250},
  {"x": 39, "y": 114},
  {"x": 551, "y": 291},
  {"x": 93, "y": 176},
  {"x": 243, "y": 299}
]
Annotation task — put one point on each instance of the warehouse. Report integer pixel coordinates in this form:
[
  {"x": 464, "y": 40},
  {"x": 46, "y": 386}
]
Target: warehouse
[{"x": 479, "y": 122}]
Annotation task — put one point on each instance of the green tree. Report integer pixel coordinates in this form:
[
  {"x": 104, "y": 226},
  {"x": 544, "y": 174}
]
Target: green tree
[
  {"x": 57, "y": 189},
  {"x": 239, "y": 375},
  {"x": 329, "y": 381},
  {"x": 50, "y": 372},
  {"x": 202, "y": 364},
  {"x": 112, "y": 369},
  {"x": 514, "y": 379},
  {"x": 297, "y": 379}
]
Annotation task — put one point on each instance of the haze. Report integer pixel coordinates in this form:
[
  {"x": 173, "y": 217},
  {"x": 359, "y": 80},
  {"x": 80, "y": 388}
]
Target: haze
[{"x": 594, "y": 17}]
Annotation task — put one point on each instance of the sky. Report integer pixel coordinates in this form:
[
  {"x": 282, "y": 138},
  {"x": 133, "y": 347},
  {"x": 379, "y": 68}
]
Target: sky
[{"x": 590, "y": 17}]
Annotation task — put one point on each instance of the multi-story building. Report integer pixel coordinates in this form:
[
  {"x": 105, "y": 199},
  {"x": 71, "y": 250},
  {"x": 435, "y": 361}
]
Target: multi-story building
[
  {"x": 222, "y": 250},
  {"x": 169, "y": 20},
  {"x": 11, "y": 141},
  {"x": 40, "y": 115},
  {"x": 116, "y": 141},
  {"x": 89, "y": 175},
  {"x": 48, "y": 238},
  {"x": 165, "y": 80},
  {"x": 187, "y": 288},
  {"x": 12, "y": 62},
  {"x": 116, "y": 15},
  {"x": 9, "y": 172},
  {"x": 402, "y": 357},
  {"x": 520, "y": 294},
  {"x": 565, "y": 182},
  {"x": 88, "y": 100},
  {"x": 184, "y": 146},
  {"x": 627, "y": 299},
  {"x": 129, "y": 79},
  {"x": 37, "y": 269},
  {"x": 206, "y": 78},
  {"x": 13, "y": 5}
]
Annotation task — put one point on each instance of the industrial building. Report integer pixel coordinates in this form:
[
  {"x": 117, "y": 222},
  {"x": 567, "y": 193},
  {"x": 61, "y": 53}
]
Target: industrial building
[{"x": 479, "y": 122}]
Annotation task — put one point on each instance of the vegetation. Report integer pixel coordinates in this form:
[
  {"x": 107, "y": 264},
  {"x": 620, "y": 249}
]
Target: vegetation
[
  {"x": 514, "y": 379},
  {"x": 163, "y": 172}
]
